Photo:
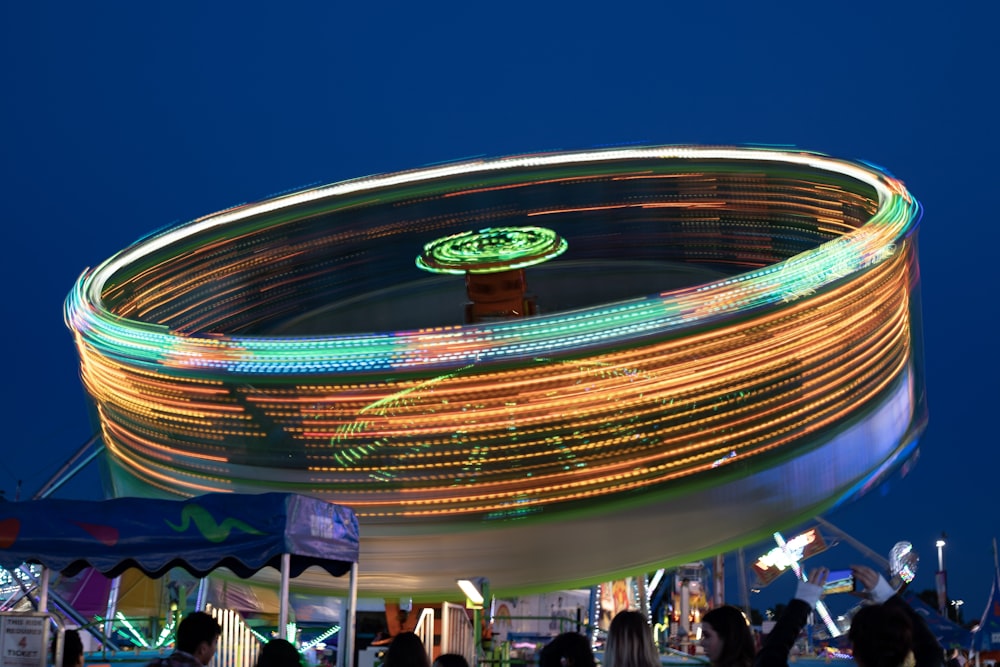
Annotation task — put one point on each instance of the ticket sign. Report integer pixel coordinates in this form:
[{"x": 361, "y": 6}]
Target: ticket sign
[
  {"x": 24, "y": 640},
  {"x": 770, "y": 566}
]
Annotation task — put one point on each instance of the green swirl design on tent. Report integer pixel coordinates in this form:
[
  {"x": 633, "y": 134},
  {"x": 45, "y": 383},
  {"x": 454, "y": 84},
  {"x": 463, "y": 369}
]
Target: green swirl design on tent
[{"x": 206, "y": 524}]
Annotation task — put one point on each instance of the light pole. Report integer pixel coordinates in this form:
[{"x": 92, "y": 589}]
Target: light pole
[
  {"x": 957, "y": 604},
  {"x": 941, "y": 579}
]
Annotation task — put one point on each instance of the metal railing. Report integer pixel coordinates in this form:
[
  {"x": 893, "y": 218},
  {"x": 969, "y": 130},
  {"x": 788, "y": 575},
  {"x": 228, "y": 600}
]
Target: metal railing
[
  {"x": 457, "y": 634},
  {"x": 425, "y": 630},
  {"x": 238, "y": 646}
]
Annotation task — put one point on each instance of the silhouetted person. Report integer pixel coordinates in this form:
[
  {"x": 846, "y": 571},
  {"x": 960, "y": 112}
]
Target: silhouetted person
[
  {"x": 630, "y": 642},
  {"x": 72, "y": 649},
  {"x": 569, "y": 649},
  {"x": 728, "y": 641},
  {"x": 279, "y": 653},
  {"x": 726, "y": 638},
  {"x": 406, "y": 650},
  {"x": 889, "y": 633},
  {"x": 450, "y": 660},
  {"x": 197, "y": 642}
]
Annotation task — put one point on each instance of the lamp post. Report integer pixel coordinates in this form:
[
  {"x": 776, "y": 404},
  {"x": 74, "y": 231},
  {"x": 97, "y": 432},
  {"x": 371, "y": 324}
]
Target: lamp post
[
  {"x": 957, "y": 604},
  {"x": 941, "y": 579}
]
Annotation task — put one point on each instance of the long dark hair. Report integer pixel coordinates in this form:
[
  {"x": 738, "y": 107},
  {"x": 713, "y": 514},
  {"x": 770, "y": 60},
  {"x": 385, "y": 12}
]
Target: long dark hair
[
  {"x": 738, "y": 648},
  {"x": 450, "y": 660},
  {"x": 406, "y": 650},
  {"x": 571, "y": 646},
  {"x": 880, "y": 636},
  {"x": 279, "y": 653},
  {"x": 72, "y": 648}
]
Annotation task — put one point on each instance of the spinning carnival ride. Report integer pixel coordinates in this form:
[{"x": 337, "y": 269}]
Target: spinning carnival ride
[{"x": 721, "y": 343}]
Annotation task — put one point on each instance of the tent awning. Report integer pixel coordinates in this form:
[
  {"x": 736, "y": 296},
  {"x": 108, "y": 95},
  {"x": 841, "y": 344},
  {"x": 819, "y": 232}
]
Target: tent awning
[
  {"x": 948, "y": 633},
  {"x": 244, "y": 533},
  {"x": 986, "y": 639}
]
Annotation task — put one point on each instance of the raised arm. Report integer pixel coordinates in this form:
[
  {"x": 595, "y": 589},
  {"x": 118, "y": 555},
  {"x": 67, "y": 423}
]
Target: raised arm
[
  {"x": 779, "y": 642},
  {"x": 926, "y": 649}
]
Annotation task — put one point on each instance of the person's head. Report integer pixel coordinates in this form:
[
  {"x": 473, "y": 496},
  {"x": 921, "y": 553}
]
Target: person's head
[
  {"x": 630, "y": 642},
  {"x": 72, "y": 649},
  {"x": 279, "y": 653},
  {"x": 450, "y": 660},
  {"x": 881, "y": 637},
  {"x": 198, "y": 635},
  {"x": 570, "y": 649},
  {"x": 406, "y": 650},
  {"x": 726, "y": 637}
]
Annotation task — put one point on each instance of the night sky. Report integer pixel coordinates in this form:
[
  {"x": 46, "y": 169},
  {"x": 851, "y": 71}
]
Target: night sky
[{"x": 119, "y": 119}]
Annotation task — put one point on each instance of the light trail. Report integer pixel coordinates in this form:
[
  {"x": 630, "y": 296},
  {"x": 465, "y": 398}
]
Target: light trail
[{"x": 718, "y": 394}]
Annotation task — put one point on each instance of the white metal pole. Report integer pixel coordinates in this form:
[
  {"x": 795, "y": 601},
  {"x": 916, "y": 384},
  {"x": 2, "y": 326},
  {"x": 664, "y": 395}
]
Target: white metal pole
[
  {"x": 349, "y": 617},
  {"x": 870, "y": 553},
  {"x": 685, "y": 619},
  {"x": 199, "y": 601},
  {"x": 286, "y": 565},
  {"x": 112, "y": 608},
  {"x": 744, "y": 582},
  {"x": 941, "y": 579},
  {"x": 43, "y": 595}
]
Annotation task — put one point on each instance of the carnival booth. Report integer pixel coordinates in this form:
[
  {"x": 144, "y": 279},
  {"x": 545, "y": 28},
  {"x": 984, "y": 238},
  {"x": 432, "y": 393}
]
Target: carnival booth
[{"x": 242, "y": 533}]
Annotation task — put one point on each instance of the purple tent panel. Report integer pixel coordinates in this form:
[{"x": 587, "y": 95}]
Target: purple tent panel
[{"x": 244, "y": 533}]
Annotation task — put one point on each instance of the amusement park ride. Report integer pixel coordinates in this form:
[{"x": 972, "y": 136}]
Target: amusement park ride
[
  {"x": 718, "y": 343},
  {"x": 493, "y": 261}
]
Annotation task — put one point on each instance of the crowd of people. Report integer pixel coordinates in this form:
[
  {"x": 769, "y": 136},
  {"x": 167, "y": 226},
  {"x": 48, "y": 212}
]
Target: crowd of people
[
  {"x": 886, "y": 632},
  {"x": 408, "y": 650}
]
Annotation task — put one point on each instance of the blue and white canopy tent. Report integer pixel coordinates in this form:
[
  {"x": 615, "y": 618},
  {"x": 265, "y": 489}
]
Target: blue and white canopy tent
[
  {"x": 986, "y": 638},
  {"x": 243, "y": 533},
  {"x": 948, "y": 633}
]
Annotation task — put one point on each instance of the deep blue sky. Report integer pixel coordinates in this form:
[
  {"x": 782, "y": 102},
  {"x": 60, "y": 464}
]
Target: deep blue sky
[{"x": 121, "y": 118}]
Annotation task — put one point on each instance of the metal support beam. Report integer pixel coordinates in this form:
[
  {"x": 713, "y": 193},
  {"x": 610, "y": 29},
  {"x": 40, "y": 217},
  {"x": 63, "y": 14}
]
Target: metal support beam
[
  {"x": 83, "y": 456},
  {"x": 873, "y": 555},
  {"x": 349, "y": 624},
  {"x": 199, "y": 601},
  {"x": 43, "y": 595},
  {"x": 112, "y": 608},
  {"x": 286, "y": 565}
]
